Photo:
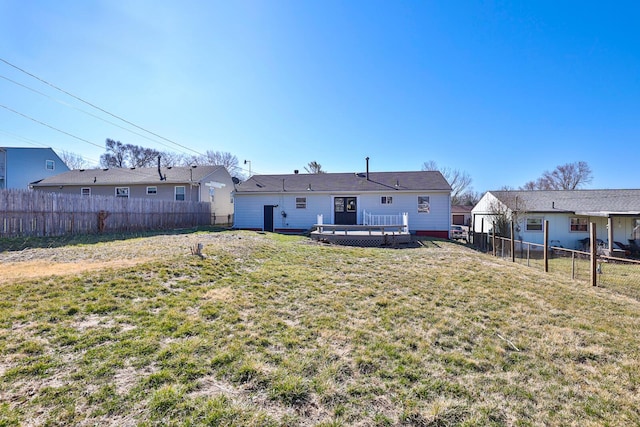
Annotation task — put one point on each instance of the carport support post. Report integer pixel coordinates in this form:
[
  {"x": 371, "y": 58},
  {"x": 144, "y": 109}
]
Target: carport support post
[
  {"x": 610, "y": 234},
  {"x": 546, "y": 246},
  {"x": 513, "y": 243},
  {"x": 592, "y": 249}
]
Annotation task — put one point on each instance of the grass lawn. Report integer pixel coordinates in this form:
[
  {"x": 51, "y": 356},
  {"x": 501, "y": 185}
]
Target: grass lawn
[{"x": 270, "y": 330}]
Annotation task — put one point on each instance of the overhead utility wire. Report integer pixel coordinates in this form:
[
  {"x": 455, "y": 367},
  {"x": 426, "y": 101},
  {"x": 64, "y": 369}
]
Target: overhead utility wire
[
  {"x": 96, "y": 107},
  {"x": 82, "y": 111},
  {"x": 49, "y": 126},
  {"x": 40, "y": 144}
]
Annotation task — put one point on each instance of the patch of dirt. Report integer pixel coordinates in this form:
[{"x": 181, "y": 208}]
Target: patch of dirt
[
  {"x": 68, "y": 260},
  {"x": 35, "y": 269}
]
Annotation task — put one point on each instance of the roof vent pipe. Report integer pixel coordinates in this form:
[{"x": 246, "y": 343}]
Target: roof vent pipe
[{"x": 367, "y": 159}]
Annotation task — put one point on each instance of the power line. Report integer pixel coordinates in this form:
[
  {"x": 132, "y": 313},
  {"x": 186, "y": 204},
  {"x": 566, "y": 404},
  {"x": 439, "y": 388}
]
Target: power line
[
  {"x": 81, "y": 110},
  {"x": 41, "y": 144},
  {"x": 49, "y": 126},
  {"x": 96, "y": 107}
]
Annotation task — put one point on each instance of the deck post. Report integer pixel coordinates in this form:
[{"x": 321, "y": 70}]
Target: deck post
[
  {"x": 405, "y": 221},
  {"x": 319, "y": 222}
]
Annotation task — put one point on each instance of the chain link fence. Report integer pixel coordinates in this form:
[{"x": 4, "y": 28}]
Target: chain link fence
[{"x": 619, "y": 273}]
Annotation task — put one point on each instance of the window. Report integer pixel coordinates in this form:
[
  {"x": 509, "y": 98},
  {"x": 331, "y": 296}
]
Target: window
[
  {"x": 338, "y": 204},
  {"x": 351, "y": 204},
  {"x": 122, "y": 192},
  {"x": 386, "y": 200},
  {"x": 636, "y": 229},
  {"x": 534, "y": 224},
  {"x": 180, "y": 192},
  {"x": 579, "y": 224},
  {"x": 152, "y": 190},
  {"x": 423, "y": 204},
  {"x": 301, "y": 203},
  {"x": 86, "y": 191},
  {"x": 50, "y": 165}
]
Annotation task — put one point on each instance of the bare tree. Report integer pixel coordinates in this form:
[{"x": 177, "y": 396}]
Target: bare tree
[
  {"x": 459, "y": 181},
  {"x": 508, "y": 208},
  {"x": 569, "y": 176},
  {"x": 219, "y": 158},
  {"x": 74, "y": 161},
  {"x": 314, "y": 167},
  {"x": 119, "y": 155}
]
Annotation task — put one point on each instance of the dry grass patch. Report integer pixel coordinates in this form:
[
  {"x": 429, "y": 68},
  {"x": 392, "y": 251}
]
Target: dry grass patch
[{"x": 270, "y": 330}]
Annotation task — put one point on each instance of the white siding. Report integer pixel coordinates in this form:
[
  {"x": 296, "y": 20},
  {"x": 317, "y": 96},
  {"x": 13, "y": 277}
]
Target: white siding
[
  {"x": 221, "y": 206},
  {"x": 249, "y": 211}
]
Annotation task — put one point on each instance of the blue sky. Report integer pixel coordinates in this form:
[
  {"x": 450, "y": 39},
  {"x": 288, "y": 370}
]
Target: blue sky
[{"x": 500, "y": 90}]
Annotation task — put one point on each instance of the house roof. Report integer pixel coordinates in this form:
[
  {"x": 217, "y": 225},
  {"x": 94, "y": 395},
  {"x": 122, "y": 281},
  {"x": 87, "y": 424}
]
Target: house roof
[
  {"x": 581, "y": 202},
  {"x": 346, "y": 182},
  {"x": 461, "y": 209},
  {"x": 129, "y": 176}
]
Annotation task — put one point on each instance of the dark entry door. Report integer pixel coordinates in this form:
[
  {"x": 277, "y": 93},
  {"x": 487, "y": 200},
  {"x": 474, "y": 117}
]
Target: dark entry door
[
  {"x": 345, "y": 210},
  {"x": 268, "y": 218}
]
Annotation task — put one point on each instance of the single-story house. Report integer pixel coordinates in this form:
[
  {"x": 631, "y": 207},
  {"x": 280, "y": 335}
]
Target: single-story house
[
  {"x": 20, "y": 166},
  {"x": 193, "y": 183},
  {"x": 292, "y": 203},
  {"x": 616, "y": 214},
  {"x": 461, "y": 214}
]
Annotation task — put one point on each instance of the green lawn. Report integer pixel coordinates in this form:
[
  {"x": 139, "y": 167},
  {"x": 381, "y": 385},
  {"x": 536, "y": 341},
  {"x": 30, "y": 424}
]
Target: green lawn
[{"x": 270, "y": 330}]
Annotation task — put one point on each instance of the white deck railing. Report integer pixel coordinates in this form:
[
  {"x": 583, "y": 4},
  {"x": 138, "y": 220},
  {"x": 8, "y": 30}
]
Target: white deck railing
[
  {"x": 401, "y": 219},
  {"x": 371, "y": 220}
]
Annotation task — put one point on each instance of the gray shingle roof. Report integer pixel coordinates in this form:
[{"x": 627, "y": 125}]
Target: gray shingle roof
[
  {"x": 122, "y": 176},
  {"x": 577, "y": 201},
  {"x": 349, "y": 182}
]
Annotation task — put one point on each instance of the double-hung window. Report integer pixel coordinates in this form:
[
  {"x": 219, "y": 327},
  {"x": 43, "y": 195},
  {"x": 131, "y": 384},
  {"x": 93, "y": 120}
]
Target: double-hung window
[
  {"x": 423, "y": 204},
  {"x": 180, "y": 192},
  {"x": 534, "y": 224},
  {"x": 122, "y": 192},
  {"x": 579, "y": 224},
  {"x": 386, "y": 200},
  {"x": 301, "y": 203}
]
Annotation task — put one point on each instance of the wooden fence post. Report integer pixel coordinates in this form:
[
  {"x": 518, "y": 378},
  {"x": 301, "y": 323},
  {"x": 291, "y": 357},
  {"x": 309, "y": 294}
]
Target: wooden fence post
[
  {"x": 546, "y": 246},
  {"x": 493, "y": 238},
  {"x": 594, "y": 259},
  {"x": 513, "y": 243}
]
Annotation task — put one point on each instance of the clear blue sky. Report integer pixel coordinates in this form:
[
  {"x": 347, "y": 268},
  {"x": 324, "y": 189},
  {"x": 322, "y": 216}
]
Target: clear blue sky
[{"x": 500, "y": 90}]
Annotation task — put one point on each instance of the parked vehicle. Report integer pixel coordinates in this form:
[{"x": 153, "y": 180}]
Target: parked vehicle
[{"x": 458, "y": 232}]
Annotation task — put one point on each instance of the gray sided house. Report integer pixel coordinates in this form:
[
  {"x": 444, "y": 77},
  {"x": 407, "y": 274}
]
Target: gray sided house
[
  {"x": 292, "y": 203},
  {"x": 616, "y": 214},
  {"x": 196, "y": 183},
  {"x": 21, "y": 166}
]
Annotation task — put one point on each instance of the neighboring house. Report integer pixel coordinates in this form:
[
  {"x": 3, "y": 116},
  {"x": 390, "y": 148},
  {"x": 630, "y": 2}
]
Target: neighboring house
[
  {"x": 21, "y": 166},
  {"x": 292, "y": 203},
  {"x": 196, "y": 183},
  {"x": 461, "y": 214},
  {"x": 616, "y": 214}
]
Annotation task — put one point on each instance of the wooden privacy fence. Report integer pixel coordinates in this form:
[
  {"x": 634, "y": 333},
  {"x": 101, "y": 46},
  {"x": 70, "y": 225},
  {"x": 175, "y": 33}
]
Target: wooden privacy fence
[{"x": 36, "y": 213}]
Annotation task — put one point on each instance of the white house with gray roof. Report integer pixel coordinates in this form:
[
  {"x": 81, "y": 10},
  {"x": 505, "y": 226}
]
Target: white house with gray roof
[
  {"x": 291, "y": 203},
  {"x": 616, "y": 214},
  {"x": 211, "y": 184}
]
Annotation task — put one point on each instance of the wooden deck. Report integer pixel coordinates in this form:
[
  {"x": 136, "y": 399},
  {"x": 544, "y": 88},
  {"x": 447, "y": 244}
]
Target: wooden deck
[{"x": 361, "y": 235}]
